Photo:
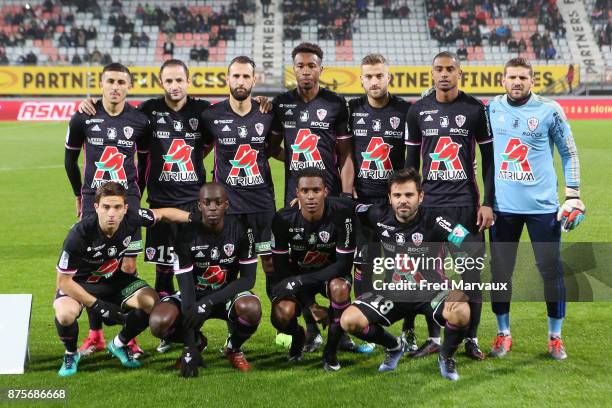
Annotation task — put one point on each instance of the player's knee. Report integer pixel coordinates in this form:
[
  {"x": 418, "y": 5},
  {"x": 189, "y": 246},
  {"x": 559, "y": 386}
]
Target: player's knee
[
  {"x": 458, "y": 314},
  {"x": 66, "y": 311},
  {"x": 146, "y": 299},
  {"x": 66, "y": 316},
  {"x": 248, "y": 310},
  {"x": 282, "y": 314},
  {"x": 339, "y": 290},
  {"x": 353, "y": 320},
  {"x": 162, "y": 319}
]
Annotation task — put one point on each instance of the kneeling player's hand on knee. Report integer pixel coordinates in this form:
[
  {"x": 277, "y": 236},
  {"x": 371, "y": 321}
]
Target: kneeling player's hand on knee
[
  {"x": 109, "y": 312},
  {"x": 197, "y": 314},
  {"x": 190, "y": 360}
]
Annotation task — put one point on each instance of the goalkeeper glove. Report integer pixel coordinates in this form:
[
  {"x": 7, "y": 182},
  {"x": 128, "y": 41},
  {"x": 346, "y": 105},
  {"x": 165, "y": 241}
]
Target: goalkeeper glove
[{"x": 572, "y": 211}]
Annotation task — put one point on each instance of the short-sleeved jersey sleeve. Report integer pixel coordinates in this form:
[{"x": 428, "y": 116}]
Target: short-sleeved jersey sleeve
[
  {"x": 75, "y": 135},
  {"x": 346, "y": 232},
  {"x": 412, "y": 123},
  {"x": 72, "y": 252},
  {"x": 483, "y": 128},
  {"x": 341, "y": 127}
]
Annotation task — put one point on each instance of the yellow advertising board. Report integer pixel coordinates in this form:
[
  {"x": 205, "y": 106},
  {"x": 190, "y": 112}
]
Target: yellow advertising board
[
  {"x": 84, "y": 80},
  {"x": 415, "y": 79}
]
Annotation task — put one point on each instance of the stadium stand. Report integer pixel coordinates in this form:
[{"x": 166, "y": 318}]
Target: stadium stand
[{"x": 484, "y": 32}]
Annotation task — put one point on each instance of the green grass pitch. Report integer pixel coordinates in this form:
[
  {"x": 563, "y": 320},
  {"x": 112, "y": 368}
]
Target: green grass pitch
[{"x": 37, "y": 209}]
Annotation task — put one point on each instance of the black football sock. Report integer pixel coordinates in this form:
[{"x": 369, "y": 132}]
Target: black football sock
[
  {"x": 408, "y": 322},
  {"x": 335, "y": 331},
  {"x": 136, "y": 322},
  {"x": 475, "y": 312},
  {"x": 433, "y": 328},
  {"x": 68, "y": 335},
  {"x": 453, "y": 336},
  {"x": 241, "y": 331},
  {"x": 311, "y": 324},
  {"x": 95, "y": 321},
  {"x": 375, "y": 333}
]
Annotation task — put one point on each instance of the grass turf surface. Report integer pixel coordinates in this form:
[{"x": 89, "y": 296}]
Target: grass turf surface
[{"x": 37, "y": 209}]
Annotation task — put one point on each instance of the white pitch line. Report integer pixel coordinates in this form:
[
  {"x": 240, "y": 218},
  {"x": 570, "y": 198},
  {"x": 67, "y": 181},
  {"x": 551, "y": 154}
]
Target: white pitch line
[{"x": 30, "y": 168}]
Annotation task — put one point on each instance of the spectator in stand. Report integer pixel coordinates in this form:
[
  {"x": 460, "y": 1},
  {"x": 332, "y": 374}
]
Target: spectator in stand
[
  {"x": 513, "y": 45},
  {"x": 106, "y": 59},
  {"x": 134, "y": 40},
  {"x": 204, "y": 54},
  {"x": 522, "y": 45},
  {"x": 116, "y": 6},
  {"x": 194, "y": 54},
  {"x": 76, "y": 59},
  {"x": 64, "y": 40},
  {"x": 117, "y": 40},
  {"x": 144, "y": 40},
  {"x": 3, "y": 58},
  {"x": 462, "y": 52},
  {"x": 168, "y": 49},
  {"x": 551, "y": 52},
  {"x": 536, "y": 44}
]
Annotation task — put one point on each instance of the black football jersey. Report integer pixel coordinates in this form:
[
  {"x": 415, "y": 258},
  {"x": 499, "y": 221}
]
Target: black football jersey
[
  {"x": 379, "y": 136},
  {"x": 90, "y": 256},
  {"x": 241, "y": 165},
  {"x": 214, "y": 259},
  {"x": 176, "y": 171},
  {"x": 422, "y": 241},
  {"x": 109, "y": 144},
  {"x": 448, "y": 134},
  {"x": 313, "y": 246},
  {"x": 310, "y": 134}
]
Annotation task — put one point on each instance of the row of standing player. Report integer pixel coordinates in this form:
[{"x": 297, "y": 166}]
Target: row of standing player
[{"x": 314, "y": 142}]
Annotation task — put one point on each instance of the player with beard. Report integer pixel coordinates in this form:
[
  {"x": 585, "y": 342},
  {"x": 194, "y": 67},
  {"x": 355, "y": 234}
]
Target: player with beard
[
  {"x": 110, "y": 140},
  {"x": 377, "y": 122},
  {"x": 444, "y": 128},
  {"x": 525, "y": 128},
  {"x": 241, "y": 135},
  {"x": 215, "y": 267},
  {"x": 313, "y": 249},
  {"x": 404, "y": 231},
  {"x": 313, "y": 124}
]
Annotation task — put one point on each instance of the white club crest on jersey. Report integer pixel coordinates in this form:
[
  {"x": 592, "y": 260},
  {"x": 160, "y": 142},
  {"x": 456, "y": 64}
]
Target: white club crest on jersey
[
  {"x": 532, "y": 123},
  {"x": 111, "y": 133},
  {"x": 395, "y": 121},
  {"x": 304, "y": 116},
  {"x": 417, "y": 238},
  {"x": 259, "y": 128},
  {"x": 228, "y": 249},
  {"x": 193, "y": 122},
  {"x": 214, "y": 254},
  {"x": 321, "y": 113},
  {"x": 242, "y": 131},
  {"x": 460, "y": 120},
  {"x": 324, "y": 235},
  {"x": 128, "y": 131},
  {"x": 444, "y": 121},
  {"x": 178, "y": 125},
  {"x": 376, "y": 125}
]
